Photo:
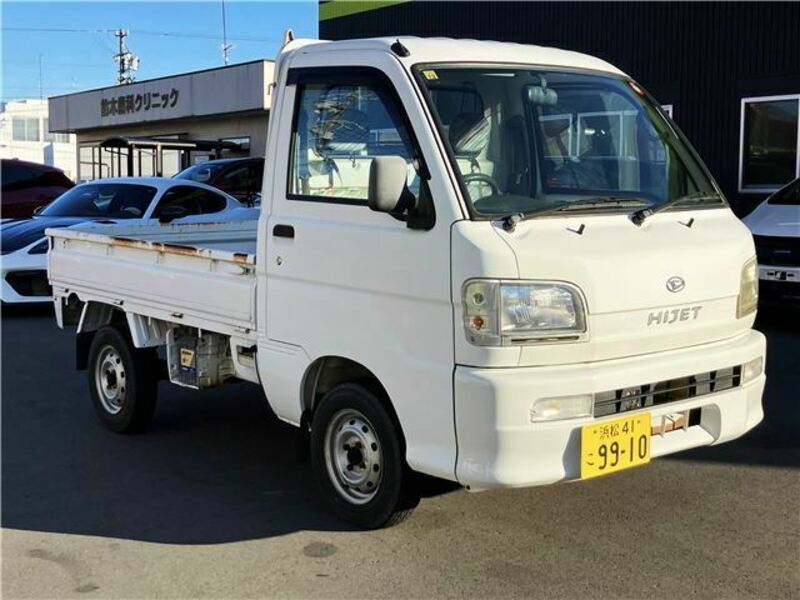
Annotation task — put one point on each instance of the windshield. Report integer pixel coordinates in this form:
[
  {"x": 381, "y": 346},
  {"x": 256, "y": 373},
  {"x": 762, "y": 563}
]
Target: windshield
[
  {"x": 789, "y": 194},
  {"x": 103, "y": 200},
  {"x": 527, "y": 139},
  {"x": 202, "y": 173}
]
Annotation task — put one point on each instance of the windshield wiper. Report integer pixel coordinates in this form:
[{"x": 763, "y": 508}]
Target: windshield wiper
[
  {"x": 509, "y": 222},
  {"x": 640, "y": 216}
]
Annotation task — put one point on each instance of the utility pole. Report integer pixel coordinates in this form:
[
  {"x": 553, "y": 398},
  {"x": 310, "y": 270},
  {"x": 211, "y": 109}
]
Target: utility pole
[
  {"x": 127, "y": 62},
  {"x": 225, "y": 45},
  {"x": 41, "y": 83}
]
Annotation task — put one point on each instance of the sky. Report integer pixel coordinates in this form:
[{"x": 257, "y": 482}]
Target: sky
[{"x": 82, "y": 59}]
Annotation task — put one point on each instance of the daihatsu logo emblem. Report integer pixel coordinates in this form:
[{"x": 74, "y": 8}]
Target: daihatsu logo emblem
[{"x": 675, "y": 284}]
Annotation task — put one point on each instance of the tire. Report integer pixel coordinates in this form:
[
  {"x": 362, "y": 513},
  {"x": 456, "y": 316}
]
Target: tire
[
  {"x": 358, "y": 459},
  {"x": 123, "y": 381}
]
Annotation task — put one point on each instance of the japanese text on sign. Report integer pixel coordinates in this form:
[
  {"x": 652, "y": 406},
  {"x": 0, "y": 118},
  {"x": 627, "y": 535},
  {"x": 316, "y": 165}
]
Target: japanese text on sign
[{"x": 133, "y": 103}]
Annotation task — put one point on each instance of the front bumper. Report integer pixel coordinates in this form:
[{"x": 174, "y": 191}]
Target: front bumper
[
  {"x": 499, "y": 446},
  {"x": 23, "y": 278}
]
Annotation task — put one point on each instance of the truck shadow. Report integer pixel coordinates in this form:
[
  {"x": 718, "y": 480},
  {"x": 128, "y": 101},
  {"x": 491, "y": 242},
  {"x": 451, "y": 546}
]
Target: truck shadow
[
  {"x": 212, "y": 468},
  {"x": 215, "y": 466}
]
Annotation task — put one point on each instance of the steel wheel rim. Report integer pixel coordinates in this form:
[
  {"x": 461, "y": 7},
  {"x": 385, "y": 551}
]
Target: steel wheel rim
[
  {"x": 353, "y": 456},
  {"x": 109, "y": 378}
]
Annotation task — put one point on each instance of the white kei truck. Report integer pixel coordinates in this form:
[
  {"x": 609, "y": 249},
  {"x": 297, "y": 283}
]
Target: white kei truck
[{"x": 497, "y": 264}]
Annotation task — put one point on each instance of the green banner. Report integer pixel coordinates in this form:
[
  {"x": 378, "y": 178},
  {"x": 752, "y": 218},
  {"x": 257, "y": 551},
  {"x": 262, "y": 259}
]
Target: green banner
[{"x": 343, "y": 8}]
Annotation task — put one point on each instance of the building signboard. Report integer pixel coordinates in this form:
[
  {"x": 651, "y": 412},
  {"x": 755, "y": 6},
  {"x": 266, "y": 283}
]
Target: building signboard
[{"x": 237, "y": 88}]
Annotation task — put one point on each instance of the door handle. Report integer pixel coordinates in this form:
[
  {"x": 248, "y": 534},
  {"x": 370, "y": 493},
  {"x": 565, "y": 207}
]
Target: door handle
[{"x": 286, "y": 231}]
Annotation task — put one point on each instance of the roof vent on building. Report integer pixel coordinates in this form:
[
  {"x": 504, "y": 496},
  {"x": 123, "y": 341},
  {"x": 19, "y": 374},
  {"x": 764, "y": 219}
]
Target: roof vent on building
[{"x": 399, "y": 49}]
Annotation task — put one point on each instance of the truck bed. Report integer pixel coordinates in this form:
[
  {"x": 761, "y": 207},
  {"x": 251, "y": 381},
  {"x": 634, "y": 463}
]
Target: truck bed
[{"x": 201, "y": 275}]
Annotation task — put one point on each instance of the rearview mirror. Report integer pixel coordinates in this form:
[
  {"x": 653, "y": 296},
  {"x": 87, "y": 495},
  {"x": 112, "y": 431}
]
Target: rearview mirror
[
  {"x": 387, "y": 184},
  {"x": 542, "y": 96}
]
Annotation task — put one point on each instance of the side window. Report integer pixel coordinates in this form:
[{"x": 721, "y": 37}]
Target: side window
[
  {"x": 338, "y": 129},
  {"x": 243, "y": 179},
  {"x": 184, "y": 201},
  {"x": 211, "y": 202}
]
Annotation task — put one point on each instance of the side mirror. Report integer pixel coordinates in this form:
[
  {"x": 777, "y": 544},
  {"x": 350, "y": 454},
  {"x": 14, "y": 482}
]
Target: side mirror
[
  {"x": 39, "y": 209},
  {"x": 387, "y": 184},
  {"x": 172, "y": 212}
]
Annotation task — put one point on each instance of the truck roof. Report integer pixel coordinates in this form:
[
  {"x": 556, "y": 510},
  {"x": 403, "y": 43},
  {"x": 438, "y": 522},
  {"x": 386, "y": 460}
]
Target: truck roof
[{"x": 441, "y": 50}]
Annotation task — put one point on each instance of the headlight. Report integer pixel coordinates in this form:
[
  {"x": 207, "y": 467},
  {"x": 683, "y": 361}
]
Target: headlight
[
  {"x": 748, "y": 289},
  {"x": 503, "y": 313},
  {"x": 41, "y": 247}
]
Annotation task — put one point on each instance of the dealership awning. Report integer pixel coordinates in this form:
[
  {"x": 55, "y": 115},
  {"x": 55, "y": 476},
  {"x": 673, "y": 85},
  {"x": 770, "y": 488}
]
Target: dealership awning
[
  {"x": 215, "y": 146},
  {"x": 126, "y": 155}
]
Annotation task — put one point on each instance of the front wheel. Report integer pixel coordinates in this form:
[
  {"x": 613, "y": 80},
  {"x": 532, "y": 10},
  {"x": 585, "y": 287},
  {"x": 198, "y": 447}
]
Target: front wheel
[
  {"x": 123, "y": 381},
  {"x": 357, "y": 458}
]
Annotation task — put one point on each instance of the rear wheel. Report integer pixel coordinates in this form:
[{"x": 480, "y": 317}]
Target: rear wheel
[
  {"x": 123, "y": 381},
  {"x": 357, "y": 458}
]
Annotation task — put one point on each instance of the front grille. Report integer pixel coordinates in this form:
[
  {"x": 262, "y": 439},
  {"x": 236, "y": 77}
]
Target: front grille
[
  {"x": 779, "y": 291},
  {"x": 778, "y": 251},
  {"x": 663, "y": 392},
  {"x": 30, "y": 283}
]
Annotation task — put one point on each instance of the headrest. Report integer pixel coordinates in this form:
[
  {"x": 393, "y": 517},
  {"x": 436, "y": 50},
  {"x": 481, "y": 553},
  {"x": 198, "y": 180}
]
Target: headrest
[
  {"x": 555, "y": 127},
  {"x": 469, "y": 134}
]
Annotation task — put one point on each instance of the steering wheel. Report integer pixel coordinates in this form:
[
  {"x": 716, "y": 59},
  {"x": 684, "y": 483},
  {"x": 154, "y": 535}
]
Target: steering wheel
[{"x": 483, "y": 178}]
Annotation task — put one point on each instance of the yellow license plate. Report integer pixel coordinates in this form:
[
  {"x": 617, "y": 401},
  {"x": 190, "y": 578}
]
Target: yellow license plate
[{"x": 611, "y": 446}]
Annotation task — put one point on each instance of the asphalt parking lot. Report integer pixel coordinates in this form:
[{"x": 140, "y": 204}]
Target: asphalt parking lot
[{"x": 210, "y": 502}]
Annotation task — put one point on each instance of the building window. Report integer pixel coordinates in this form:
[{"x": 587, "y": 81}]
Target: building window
[
  {"x": 25, "y": 130},
  {"x": 769, "y": 148},
  {"x": 58, "y": 138},
  {"x": 243, "y": 142}
]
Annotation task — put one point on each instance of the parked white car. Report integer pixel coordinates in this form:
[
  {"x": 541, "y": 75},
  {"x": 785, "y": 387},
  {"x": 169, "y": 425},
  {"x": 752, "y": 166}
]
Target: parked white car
[
  {"x": 103, "y": 202},
  {"x": 775, "y": 224}
]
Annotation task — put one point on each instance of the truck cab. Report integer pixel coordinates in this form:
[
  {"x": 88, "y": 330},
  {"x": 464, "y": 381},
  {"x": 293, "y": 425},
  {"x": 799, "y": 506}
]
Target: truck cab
[{"x": 497, "y": 264}]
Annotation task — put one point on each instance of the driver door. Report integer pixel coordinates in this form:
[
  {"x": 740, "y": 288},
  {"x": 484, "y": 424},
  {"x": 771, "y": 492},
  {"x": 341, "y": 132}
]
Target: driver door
[{"x": 345, "y": 281}]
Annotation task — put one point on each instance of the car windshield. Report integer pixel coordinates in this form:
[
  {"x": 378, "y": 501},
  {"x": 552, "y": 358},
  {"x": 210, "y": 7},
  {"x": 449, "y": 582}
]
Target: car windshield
[
  {"x": 202, "y": 173},
  {"x": 103, "y": 200},
  {"x": 525, "y": 140},
  {"x": 788, "y": 195}
]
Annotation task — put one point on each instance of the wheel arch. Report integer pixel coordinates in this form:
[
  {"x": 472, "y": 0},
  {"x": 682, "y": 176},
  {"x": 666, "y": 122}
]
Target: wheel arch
[
  {"x": 94, "y": 316},
  {"x": 327, "y": 372}
]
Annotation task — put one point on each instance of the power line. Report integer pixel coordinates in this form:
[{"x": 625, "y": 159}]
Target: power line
[
  {"x": 177, "y": 34},
  {"x": 49, "y": 62},
  {"x": 58, "y": 30}
]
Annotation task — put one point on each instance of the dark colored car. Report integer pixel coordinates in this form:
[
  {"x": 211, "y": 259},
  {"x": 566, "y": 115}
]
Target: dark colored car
[
  {"x": 27, "y": 186},
  {"x": 239, "y": 177}
]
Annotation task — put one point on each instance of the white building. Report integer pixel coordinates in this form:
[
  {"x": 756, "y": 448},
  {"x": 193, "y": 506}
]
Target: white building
[{"x": 25, "y": 134}]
